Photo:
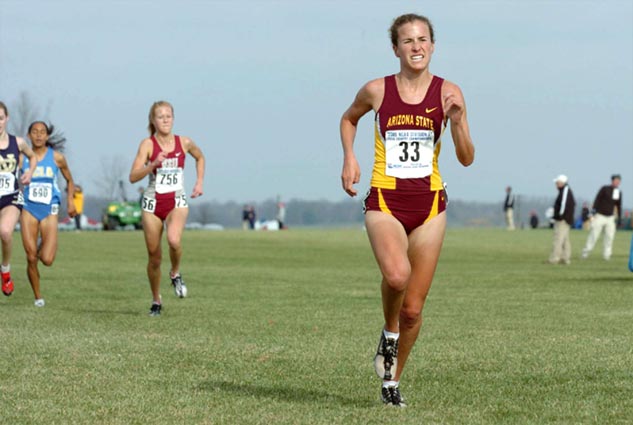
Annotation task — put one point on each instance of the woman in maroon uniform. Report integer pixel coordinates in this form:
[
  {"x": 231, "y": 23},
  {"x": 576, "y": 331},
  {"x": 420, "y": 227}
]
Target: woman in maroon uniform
[
  {"x": 404, "y": 209},
  {"x": 162, "y": 157}
]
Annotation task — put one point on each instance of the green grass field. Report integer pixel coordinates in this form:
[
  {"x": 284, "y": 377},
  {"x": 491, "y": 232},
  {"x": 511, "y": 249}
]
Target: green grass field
[{"x": 281, "y": 328}]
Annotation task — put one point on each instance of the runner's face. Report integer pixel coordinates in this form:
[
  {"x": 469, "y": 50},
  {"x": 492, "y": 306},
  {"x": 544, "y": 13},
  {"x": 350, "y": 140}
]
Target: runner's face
[
  {"x": 414, "y": 45},
  {"x": 163, "y": 119},
  {"x": 3, "y": 121},
  {"x": 38, "y": 135}
]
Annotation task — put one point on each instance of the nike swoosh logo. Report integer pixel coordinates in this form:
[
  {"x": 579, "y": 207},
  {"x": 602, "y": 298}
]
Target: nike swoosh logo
[
  {"x": 429, "y": 110},
  {"x": 177, "y": 154}
]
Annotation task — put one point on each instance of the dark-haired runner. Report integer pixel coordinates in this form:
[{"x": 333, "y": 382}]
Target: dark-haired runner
[{"x": 42, "y": 199}]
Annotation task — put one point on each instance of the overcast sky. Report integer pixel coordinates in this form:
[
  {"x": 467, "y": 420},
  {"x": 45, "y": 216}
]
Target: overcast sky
[{"x": 261, "y": 86}]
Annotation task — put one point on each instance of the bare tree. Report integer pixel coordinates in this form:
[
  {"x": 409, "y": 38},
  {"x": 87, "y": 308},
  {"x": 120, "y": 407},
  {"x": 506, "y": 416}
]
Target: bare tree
[
  {"x": 113, "y": 175},
  {"x": 205, "y": 213},
  {"x": 24, "y": 112}
]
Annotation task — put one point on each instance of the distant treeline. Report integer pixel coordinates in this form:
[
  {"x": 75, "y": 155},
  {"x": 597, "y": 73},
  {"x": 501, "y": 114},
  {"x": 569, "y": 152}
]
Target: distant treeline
[{"x": 347, "y": 212}]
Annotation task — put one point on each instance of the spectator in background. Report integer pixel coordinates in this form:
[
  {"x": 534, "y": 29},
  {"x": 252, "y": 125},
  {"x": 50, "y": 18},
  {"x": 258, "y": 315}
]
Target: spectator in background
[
  {"x": 281, "y": 214},
  {"x": 626, "y": 223},
  {"x": 608, "y": 210},
  {"x": 78, "y": 200},
  {"x": 245, "y": 223},
  {"x": 251, "y": 217},
  {"x": 508, "y": 207},
  {"x": 585, "y": 216},
  {"x": 564, "y": 207},
  {"x": 533, "y": 219}
]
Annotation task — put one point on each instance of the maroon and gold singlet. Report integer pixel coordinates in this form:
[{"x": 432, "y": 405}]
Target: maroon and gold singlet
[
  {"x": 166, "y": 183},
  {"x": 406, "y": 181}
]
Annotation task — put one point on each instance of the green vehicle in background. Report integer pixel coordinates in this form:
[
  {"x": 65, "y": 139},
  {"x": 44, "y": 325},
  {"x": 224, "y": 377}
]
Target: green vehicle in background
[{"x": 122, "y": 213}]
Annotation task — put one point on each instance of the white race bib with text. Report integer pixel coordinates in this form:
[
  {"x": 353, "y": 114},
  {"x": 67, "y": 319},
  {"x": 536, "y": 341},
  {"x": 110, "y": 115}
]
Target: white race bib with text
[
  {"x": 7, "y": 183},
  {"x": 168, "y": 180},
  {"x": 409, "y": 153},
  {"x": 42, "y": 193}
]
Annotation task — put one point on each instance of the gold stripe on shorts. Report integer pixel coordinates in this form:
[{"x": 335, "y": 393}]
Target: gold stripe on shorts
[
  {"x": 382, "y": 204},
  {"x": 434, "y": 209}
]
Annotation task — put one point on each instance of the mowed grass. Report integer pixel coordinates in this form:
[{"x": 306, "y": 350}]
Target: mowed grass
[{"x": 281, "y": 327}]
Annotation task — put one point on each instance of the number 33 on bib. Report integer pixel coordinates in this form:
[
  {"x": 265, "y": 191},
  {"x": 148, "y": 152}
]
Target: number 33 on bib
[{"x": 409, "y": 153}]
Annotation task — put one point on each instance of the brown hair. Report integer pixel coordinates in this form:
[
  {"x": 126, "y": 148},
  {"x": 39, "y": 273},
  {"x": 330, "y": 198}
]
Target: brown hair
[
  {"x": 406, "y": 19},
  {"x": 3, "y": 106},
  {"x": 152, "y": 112}
]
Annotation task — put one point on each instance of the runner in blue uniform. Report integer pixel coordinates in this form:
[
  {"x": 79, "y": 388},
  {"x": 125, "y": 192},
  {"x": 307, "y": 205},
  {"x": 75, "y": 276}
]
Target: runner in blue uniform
[{"x": 42, "y": 198}]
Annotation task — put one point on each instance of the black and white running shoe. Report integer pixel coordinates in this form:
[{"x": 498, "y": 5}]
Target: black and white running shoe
[
  {"x": 155, "y": 310},
  {"x": 179, "y": 286},
  {"x": 391, "y": 396},
  {"x": 386, "y": 359}
]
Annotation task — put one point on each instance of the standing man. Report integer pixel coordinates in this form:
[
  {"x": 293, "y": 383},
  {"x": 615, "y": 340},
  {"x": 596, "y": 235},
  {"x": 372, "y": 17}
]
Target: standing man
[
  {"x": 508, "y": 207},
  {"x": 563, "y": 220},
  {"x": 281, "y": 214},
  {"x": 245, "y": 218},
  {"x": 608, "y": 210},
  {"x": 251, "y": 217}
]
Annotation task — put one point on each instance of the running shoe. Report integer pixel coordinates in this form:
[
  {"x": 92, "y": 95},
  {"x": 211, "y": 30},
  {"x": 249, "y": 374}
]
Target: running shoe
[
  {"x": 40, "y": 302},
  {"x": 7, "y": 284},
  {"x": 179, "y": 286},
  {"x": 155, "y": 310},
  {"x": 386, "y": 359},
  {"x": 391, "y": 396}
]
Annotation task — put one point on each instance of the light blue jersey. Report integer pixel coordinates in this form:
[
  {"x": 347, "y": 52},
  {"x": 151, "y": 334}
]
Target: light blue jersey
[{"x": 42, "y": 195}]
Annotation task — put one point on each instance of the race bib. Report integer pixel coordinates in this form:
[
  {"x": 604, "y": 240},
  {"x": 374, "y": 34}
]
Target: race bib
[
  {"x": 42, "y": 193},
  {"x": 168, "y": 180},
  {"x": 148, "y": 204},
  {"x": 181, "y": 201},
  {"x": 409, "y": 153},
  {"x": 7, "y": 183}
]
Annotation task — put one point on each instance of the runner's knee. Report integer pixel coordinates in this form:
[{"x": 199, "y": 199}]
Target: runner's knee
[
  {"x": 410, "y": 316},
  {"x": 6, "y": 234},
  {"x": 397, "y": 277},
  {"x": 47, "y": 259},
  {"x": 154, "y": 259},
  {"x": 173, "y": 241}
]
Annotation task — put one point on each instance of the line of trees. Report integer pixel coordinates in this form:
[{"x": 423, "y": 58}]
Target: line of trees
[{"x": 346, "y": 212}]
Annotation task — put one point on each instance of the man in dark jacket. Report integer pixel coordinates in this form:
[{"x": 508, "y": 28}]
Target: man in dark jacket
[
  {"x": 508, "y": 208},
  {"x": 564, "y": 207},
  {"x": 608, "y": 212}
]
